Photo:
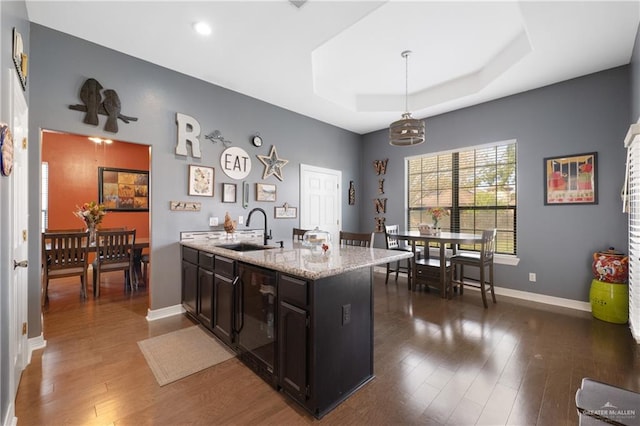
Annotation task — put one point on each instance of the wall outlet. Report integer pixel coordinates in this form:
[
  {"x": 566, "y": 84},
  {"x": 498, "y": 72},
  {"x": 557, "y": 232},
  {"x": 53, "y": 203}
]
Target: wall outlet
[
  {"x": 532, "y": 277},
  {"x": 240, "y": 220},
  {"x": 213, "y": 221},
  {"x": 346, "y": 314}
]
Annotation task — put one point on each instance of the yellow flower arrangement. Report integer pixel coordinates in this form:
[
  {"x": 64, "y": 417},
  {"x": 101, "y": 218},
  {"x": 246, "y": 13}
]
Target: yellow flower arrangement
[
  {"x": 437, "y": 213},
  {"x": 91, "y": 213}
]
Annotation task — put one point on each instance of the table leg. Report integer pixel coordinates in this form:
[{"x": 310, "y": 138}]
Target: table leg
[
  {"x": 137, "y": 265},
  {"x": 414, "y": 270},
  {"x": 443, "y": 267}
]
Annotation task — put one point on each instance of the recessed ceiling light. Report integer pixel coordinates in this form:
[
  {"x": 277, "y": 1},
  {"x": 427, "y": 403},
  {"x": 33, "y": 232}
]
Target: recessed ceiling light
[{"x": 202, "y": 28}]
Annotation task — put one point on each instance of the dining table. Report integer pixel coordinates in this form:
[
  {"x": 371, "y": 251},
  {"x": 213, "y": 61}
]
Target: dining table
[{"x": 454, "y": 239}]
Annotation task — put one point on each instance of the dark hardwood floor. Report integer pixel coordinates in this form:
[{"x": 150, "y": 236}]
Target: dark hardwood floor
[{"x": 436, "y": 362}]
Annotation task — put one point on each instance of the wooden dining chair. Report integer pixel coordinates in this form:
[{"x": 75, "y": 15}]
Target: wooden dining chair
[
  {"x": 114, "y": 252},
  {"x": 392, "y": 243},
  {"x": 356, "y": 239},
  {"x": 64, "y": 254},
  {"x": 298, "y": 233},
  {"x": 482, "y": 260}
]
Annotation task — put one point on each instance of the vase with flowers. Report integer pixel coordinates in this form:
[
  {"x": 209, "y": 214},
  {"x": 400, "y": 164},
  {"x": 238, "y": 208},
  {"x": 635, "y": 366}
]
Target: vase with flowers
[
  {"x": 437, "y": 213},
  {"x": 92, "y": 214}
]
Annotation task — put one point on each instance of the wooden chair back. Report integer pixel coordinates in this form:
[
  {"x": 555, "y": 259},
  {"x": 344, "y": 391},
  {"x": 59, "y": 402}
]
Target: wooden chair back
[
  {"x": 63, "y": 231},
  {"x": 298, "y": 233},
  {"x": 488, "y": 247},
  {"x": 114, "y": 253},
  {"x": 391, "y": 235},
  {"x": 356, "y": 239},
  {"x": 64, "y": 254}
]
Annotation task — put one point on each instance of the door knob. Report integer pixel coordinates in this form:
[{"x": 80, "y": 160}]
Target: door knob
[{"x": 22, "y": 264}]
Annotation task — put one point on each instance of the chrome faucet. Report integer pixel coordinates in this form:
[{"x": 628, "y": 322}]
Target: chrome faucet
[{"x": 266, "y": 236}]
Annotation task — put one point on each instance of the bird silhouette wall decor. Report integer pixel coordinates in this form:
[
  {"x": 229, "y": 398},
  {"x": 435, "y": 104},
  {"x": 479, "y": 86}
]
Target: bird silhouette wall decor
[{"x": 93, "y": 105}]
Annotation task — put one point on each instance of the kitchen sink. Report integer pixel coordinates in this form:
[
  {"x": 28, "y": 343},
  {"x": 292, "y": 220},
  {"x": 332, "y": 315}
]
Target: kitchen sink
[{"x": 244, "y": 247}]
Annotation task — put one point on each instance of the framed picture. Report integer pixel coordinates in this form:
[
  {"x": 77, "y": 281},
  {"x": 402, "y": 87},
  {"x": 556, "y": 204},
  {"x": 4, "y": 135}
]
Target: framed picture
[
  {"x": 265, "y": 192},
  {"x": 201, "y": 180},
  {"x": 123, "y": 190},
  {"x": 286, "y": 212},
  {"x": 571, "y": 179},
  {"x": 228, "y": 192}
]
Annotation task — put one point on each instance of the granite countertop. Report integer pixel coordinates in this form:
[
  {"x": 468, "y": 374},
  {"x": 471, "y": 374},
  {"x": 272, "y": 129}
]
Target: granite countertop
[{"x": 300, "y": 261}]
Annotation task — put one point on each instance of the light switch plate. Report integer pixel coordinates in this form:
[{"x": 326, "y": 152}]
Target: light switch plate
[
  {"x": 213, "y": 221},
  {"x": 240, "y": 220}
]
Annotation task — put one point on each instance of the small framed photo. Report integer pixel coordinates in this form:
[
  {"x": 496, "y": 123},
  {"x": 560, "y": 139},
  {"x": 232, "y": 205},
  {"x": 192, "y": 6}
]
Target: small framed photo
[
  {"x": 201, "y": 180},
  {"x": 265, "y": 192},
  {"x": 228, "y": 192},
  {"x": 571, "y": 179},
  {"x": 286, "y": 212}
]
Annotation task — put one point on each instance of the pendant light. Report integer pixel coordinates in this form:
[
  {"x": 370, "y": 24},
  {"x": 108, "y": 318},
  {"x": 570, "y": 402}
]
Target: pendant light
[{"x": 406, "y": 131}]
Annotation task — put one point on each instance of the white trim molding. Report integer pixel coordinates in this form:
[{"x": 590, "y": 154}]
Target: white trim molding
[
  {"x": 525, "y": 295},
  {"x": 169, "y": 311},
  {"x": 34, "y": 344}
]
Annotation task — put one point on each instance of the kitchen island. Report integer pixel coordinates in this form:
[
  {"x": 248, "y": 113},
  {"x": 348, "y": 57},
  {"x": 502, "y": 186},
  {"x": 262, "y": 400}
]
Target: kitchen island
[{"x": 301, "y": 319}]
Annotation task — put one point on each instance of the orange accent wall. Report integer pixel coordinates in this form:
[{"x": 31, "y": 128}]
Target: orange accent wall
[{"x": 73, "y": 178}]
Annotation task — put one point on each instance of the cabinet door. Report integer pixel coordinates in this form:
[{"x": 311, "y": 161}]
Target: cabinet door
[
  {"x": 190, "y": 287},
  {"x": 223, "y": 308},
  {"x": 292, "y": 350},
  {"x": 205, "y": 297}
]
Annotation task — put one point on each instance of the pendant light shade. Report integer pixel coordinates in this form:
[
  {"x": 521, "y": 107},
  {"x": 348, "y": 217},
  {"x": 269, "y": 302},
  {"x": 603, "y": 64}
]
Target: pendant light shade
[{"x": 406, "y": 131}]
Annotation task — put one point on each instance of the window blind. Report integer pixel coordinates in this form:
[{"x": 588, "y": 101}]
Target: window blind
[
  {"x": 633, "y": 203},
  {"x": 44, "y": 213},
  {"x": 476, "y": 184}
]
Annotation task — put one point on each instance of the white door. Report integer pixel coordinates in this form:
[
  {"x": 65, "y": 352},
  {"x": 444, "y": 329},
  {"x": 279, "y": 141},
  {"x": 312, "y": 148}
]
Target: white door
[
  {"x": 18, "y": 197},
  {"x": 320, "y": 200}
]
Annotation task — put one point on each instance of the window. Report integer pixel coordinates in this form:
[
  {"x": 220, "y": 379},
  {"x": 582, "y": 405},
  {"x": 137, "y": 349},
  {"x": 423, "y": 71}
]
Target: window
[
  {"x": 44, "y": 213},
  {"x": 476, "y": 184}
]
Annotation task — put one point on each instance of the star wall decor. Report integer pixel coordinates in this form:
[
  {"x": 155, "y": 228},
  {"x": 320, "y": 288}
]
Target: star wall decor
[{"x": 272, "y": 164}]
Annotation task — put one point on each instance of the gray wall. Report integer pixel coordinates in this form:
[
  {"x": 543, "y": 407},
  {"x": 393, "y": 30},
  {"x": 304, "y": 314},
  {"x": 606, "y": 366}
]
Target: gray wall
[
  {"x": 587, "y": 114},
  {"x": 556, "y": 242},
  {"x": 59, "y": 66}
]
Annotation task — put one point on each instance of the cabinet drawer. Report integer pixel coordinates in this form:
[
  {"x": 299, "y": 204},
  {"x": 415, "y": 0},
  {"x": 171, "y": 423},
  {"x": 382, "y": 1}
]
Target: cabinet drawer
[
  {"x": 225, "y": 266},
  {"x": 292, "y": 290},
  {"x": 190, "y": 255},
  {"x": 205, "y": 260}
]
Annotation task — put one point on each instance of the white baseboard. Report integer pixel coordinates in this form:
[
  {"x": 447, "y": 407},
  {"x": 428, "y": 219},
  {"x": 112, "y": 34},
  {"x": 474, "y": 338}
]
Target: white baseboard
[
  {"x": 525, "y": 295},
  {"x": 10, "y": 418},
  {"x": 34, "y": 344},
  {"x": 169, "y": 311}
]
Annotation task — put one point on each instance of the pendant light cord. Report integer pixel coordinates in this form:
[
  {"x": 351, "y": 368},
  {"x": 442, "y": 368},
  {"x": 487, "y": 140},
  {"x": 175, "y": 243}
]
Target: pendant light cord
[{"x": 405, "y": 54}]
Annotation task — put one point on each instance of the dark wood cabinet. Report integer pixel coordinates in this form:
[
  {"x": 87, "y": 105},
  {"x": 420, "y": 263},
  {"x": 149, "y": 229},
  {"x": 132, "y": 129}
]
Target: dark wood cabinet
[
  {"x": 325, "y": 337},
  {"x": 293, "y": 351},
  {"x": 205, "y": 297},
  {"x": 223, "y": 299},
  {"x": 190, "y": 280},
  {"x": 293, "y": 333},
  {"x": 323, "y": 328},
  {"x": 205, "y": 289}
]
